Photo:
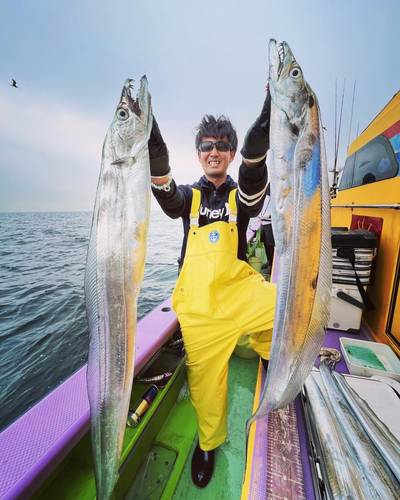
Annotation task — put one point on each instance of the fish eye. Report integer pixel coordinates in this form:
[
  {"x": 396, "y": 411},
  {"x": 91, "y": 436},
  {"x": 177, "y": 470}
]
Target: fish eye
[
  {"x": 295, "y": 73},
  {"x": 122, "y": 114}
]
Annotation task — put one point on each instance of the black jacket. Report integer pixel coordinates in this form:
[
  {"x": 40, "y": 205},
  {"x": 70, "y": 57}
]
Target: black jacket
[{"x": 249, "y": 198}]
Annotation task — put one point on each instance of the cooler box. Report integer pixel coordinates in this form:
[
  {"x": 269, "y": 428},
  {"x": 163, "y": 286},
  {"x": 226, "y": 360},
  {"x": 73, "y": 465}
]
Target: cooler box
[
  {"x": 347, "y": 303},
  {"x": 345, "y": 315}
]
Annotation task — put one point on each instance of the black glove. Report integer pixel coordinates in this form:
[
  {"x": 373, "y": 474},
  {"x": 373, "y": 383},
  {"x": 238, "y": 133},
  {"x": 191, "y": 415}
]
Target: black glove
[
  {"x": 158, "y": 151},
  {"x": 256, "y": 142}
]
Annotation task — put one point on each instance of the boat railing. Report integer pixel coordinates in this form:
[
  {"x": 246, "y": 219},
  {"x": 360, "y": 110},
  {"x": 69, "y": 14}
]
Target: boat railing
[{"x": 37, "y": 442}]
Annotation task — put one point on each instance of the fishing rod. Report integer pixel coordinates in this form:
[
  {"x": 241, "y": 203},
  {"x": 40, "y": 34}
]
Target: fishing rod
[
  {"x": 340, "y": 124},
  {"x": 337, "y": 135},
  {"x": 334, "y": 164},
  {"x": 351, "y": 116}
]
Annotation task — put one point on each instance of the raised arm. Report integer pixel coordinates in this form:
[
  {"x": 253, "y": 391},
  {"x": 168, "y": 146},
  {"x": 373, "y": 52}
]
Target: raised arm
[
  {"x": 253, "y": 176},
  {"x": 172, "y": 199}
]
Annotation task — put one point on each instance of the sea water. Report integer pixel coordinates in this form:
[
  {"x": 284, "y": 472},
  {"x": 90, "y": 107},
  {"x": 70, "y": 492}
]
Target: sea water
[{"x": 43, "y": 327}]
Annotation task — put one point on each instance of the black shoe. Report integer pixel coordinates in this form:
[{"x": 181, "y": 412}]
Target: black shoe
[
  {"x": 265, "y": 363},
  {"x": 202, "y": 466}
]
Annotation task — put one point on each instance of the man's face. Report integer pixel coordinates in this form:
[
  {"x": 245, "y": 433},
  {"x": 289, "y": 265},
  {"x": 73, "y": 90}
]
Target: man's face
[{"x": 215, "y": 163}]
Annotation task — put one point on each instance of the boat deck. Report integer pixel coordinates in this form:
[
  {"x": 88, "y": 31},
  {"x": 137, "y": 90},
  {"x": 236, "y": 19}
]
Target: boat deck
[
  {"x": 172, "y": 438},
  {"x": 166, "y": 456},
  {"x": 156, "y": 458},
  {"x": 272, "y": 471},
  {"x": 230, "y": 456}
]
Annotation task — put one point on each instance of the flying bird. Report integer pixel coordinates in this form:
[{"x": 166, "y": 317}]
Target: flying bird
[{"x": 14, "y": 83}]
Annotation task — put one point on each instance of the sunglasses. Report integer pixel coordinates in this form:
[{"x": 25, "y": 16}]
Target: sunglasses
[{"x": 207, "y": 146}]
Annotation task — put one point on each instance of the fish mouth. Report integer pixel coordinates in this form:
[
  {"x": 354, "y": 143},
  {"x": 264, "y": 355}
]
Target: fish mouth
[
  {"x": 275, "y": 61},
  {"x": 279, "y": 55},
  {"x": 128, "y": 99}
]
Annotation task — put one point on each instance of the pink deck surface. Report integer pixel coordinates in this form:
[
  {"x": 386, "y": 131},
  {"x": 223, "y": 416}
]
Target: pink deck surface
[{"x": 33, "y": 446}]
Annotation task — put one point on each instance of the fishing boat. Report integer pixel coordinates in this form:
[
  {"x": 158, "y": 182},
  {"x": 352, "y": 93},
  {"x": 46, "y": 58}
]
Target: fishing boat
[
  {"x": 46, "y": 453},
  {"x": 369, "y": 198}
]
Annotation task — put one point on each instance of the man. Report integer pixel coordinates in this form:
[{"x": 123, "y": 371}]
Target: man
[{"x": 218, "y": 297}]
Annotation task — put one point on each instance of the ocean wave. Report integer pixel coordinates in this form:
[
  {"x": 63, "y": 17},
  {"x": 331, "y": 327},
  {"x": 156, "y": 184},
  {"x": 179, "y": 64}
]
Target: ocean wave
[
  {"x": 9, "y": 267},
  {"x": 44, "y": 334}
]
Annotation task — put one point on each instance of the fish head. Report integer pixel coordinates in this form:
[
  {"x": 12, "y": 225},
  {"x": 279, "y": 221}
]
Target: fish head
[
  {"x": 289, "y": 90},
  {"x": 131, "y": 125}
]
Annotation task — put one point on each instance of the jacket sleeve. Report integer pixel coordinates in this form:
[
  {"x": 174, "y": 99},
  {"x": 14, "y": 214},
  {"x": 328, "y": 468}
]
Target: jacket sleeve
[
  {"x": 252, "y": 186},
  {"x": 176, "y": 202}
]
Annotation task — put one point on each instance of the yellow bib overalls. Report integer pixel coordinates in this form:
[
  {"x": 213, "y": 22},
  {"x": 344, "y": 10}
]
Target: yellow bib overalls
[{"x": 218, "y": 299}]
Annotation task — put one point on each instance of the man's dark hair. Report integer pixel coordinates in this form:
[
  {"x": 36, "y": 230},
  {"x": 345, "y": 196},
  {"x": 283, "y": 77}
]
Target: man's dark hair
[{"x": 218, "y": 128}]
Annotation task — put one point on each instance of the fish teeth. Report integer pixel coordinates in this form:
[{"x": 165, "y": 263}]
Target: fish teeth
[
  {"x": 129, "y": 87},
  {"x": 281, "y": 51}
]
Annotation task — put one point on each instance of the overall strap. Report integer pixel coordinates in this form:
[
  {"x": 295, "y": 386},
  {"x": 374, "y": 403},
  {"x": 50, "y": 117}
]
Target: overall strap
[
  {"x": 195, "y": 208},
  {"x": 232, "y": 207}
]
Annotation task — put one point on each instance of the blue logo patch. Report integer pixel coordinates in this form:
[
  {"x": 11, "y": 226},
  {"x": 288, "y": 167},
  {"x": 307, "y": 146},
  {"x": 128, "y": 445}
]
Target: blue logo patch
[{"x": 213, "y": 236}]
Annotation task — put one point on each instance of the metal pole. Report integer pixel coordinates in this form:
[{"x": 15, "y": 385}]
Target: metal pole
[
  {"x": 351, "y": 116},
  {"x": 334, "y": 162},
  {"x": 394, "y": 206},
  {"x": 340, "y": 121}
]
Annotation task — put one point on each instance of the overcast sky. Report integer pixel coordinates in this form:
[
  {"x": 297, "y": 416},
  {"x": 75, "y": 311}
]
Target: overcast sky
[{"x": 70, "y": 61}]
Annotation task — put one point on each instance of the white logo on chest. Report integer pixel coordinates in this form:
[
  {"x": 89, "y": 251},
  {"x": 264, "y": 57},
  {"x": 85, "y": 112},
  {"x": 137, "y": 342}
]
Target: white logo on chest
[{"x": 214, "y": 214}]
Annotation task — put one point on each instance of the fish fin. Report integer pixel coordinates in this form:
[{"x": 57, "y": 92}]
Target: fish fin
[
  {"x": 293, "y": 128},
  {"x": 126, "y": 161}
]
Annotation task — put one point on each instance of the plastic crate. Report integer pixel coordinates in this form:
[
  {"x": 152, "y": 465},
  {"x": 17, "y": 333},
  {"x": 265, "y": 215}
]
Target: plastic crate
[
  {"x": 363, "y": 243},
  {"x": 386, "y": 357}
]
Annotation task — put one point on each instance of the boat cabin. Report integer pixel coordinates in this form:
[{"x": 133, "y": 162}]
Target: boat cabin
[{"x": 369, "y": 198}]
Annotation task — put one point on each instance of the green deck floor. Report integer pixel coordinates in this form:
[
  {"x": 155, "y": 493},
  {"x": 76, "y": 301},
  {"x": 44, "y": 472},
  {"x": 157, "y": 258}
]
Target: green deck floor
[
  {"x": 230, "y": 457},
  {"x": 165, "y": 449}
]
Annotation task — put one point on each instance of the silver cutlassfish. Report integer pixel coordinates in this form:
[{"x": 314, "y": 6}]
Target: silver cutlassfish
[
  {"x": 114, "y": 271},
  {"x": 301, "y": 223},
  {"x": 377, "y": 477},
  {"x": 382, "y": 437},
  {"x": 345, "y": 480}
]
